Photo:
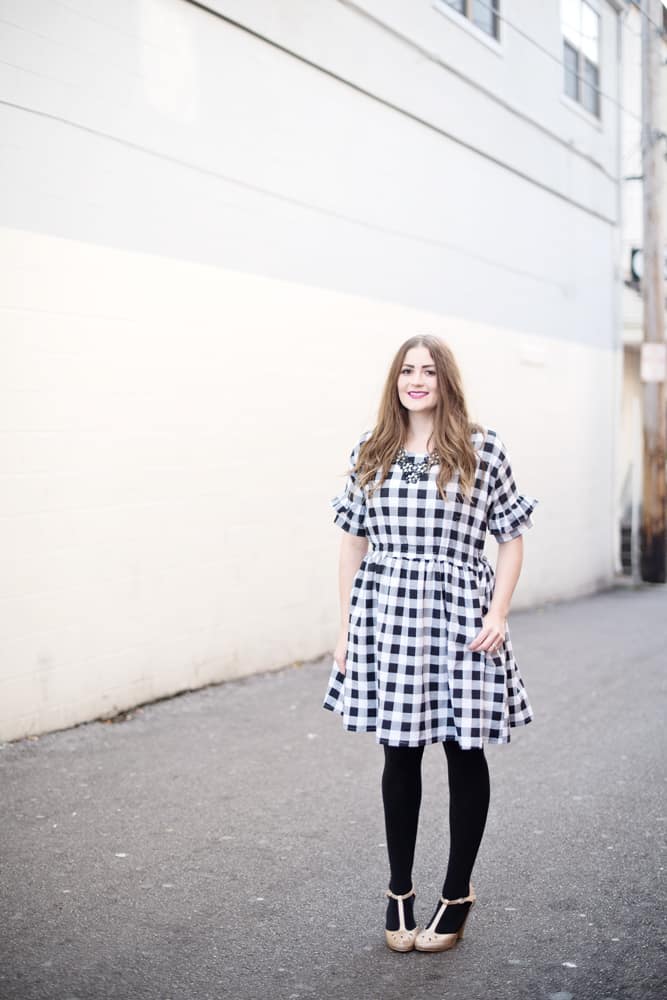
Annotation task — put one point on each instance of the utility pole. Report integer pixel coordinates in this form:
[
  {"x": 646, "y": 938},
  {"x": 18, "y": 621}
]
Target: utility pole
[{"x": 653, "y": 358}]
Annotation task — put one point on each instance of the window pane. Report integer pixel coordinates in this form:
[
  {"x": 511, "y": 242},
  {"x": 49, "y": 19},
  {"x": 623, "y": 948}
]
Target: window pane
[
  {"x": 484, "y": 15},
  {"x": 571, "y": 67},
  {"x": 459, "y": 5},
  {"x": 589, "y": 88},
  {"x": 570, "y": 13},
  {"x": 590, "y": 33}
]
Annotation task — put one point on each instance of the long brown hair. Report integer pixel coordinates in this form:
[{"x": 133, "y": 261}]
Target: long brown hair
[{"x": 452, "y": 428}]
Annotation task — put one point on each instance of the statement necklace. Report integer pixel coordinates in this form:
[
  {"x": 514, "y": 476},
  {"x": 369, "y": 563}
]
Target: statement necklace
[{"x": 414, "y": 472}]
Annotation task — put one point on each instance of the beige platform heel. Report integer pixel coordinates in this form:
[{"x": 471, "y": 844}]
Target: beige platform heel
[
  {"x": 402, "y": 939},
  {"x": 429, "y": 940}
]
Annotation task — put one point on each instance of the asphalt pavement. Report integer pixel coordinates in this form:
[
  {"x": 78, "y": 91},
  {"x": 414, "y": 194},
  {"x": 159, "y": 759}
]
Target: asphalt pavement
[{"x": 229, "y": 842}]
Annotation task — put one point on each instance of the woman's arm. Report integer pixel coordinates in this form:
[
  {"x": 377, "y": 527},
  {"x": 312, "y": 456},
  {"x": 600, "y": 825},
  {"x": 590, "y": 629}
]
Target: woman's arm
[
  {"x": 352, "y": 550},
  {"x": 508, "y": 570}
]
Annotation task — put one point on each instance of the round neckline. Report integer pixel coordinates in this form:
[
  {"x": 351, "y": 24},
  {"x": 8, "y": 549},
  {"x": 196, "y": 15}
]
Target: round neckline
[{"x": 420, "y": 453}]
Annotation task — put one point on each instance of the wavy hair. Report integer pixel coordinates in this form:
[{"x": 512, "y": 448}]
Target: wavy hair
[{"x": 452, "y": 428}]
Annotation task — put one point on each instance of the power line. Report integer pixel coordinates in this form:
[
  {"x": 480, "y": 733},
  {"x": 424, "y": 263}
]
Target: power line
[
  {"x": 538, "y": 45},
  {"x": 376, "y": 98},
  {"x": 571, "y": 149},
  {"x": 410, "y": 114},
  {"x": 432, "y": 57},
  {"x": 658, "y": 26},
  {"x": 289, "y": 199}
]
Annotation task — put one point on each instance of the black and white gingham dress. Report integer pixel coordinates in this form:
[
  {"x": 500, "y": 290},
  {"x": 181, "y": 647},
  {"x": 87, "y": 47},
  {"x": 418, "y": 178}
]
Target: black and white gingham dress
[{"x": 418, "y": 600}]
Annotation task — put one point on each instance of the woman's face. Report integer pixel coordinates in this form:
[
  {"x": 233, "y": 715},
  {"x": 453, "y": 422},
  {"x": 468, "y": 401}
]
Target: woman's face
[{"x": 417, "y": 381}]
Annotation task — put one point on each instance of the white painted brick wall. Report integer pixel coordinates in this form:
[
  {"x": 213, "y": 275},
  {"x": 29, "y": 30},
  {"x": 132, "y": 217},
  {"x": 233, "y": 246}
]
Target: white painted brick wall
[{"x": 186, "y": 362}]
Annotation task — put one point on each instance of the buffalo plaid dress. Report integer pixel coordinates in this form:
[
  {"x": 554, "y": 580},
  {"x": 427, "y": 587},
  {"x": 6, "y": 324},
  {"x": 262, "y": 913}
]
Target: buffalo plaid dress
[{"x": 418, "y": 600}]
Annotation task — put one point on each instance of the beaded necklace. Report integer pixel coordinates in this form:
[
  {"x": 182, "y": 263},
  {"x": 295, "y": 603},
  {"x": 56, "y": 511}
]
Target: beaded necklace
[{"x": 414, "y": 472}]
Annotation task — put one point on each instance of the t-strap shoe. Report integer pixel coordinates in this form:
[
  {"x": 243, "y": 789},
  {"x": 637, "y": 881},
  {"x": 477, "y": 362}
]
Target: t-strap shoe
[
  {"x": 402, "y": 939},
  {"x": 430, "y": 940}
]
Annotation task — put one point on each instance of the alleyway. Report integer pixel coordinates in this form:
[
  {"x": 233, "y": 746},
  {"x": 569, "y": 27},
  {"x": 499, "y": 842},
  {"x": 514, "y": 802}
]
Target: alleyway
[{"x": 229, "y": 842}]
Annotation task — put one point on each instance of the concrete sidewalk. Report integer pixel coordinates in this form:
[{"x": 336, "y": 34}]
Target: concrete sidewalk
[{"x": 230, "y": 842}]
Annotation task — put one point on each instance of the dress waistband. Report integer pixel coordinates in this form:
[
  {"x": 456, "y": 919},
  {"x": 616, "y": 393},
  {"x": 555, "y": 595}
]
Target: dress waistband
[{"x": 423, "y": 552}]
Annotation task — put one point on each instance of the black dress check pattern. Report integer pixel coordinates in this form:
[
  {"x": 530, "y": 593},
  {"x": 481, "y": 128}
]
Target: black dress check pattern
[{"x": 418, "y": 600}]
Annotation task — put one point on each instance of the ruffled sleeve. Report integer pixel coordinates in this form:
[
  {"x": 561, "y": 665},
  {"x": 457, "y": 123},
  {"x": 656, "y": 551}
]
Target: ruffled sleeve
[
  {"x": 350, "y": 504},
  {"x": 508, "y": 515}
]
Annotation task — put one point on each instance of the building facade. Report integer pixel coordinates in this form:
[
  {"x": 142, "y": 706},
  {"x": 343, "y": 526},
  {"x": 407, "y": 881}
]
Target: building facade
[{"x": 218, "y": 222}]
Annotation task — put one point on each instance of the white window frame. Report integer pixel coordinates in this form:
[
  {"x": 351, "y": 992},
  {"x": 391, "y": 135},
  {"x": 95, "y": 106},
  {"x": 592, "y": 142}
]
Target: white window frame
[
  {"x": 463, "y": 21},
  {"x": 577, "y": 103}
]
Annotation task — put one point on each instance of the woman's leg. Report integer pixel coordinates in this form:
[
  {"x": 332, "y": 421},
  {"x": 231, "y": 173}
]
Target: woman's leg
[
  {"x": 469, "y": 795},
  {"x": 401, "y": 797}
]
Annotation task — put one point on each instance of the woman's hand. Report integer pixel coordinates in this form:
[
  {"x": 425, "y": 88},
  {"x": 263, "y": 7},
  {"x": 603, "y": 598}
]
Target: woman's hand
[
  {"x": 340, "y": 652},
  {"x": 492, "y": 635}
]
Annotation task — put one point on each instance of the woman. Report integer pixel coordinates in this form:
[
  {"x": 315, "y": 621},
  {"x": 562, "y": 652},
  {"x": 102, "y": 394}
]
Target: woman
[{"x": 424, "y": 653}]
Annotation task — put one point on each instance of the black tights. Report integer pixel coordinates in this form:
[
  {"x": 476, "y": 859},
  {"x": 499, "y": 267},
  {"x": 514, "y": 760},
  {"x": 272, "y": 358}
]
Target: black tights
[{"x": 469, "y": 794}]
